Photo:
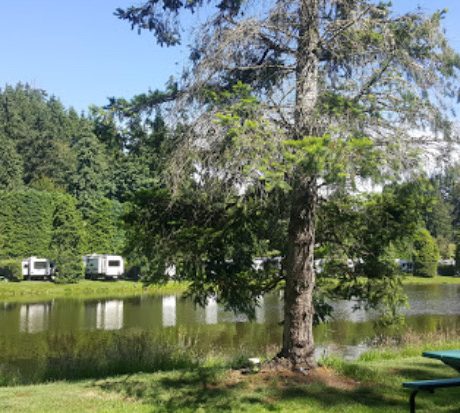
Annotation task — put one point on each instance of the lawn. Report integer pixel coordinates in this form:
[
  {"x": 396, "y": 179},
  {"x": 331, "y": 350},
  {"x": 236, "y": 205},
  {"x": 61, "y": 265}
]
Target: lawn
[
  {"x": 439, "y": 279},
  {"x": 364, "y": 386},
  {"x": 42, "y": 290}
]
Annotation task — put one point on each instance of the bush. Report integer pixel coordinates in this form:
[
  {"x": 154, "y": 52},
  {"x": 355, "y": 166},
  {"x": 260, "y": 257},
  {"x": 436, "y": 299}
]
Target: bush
[
  {"x": 425, "y": 255},
  {"x": 69, "y": 268},
  {"x": 11, "y": 269}
]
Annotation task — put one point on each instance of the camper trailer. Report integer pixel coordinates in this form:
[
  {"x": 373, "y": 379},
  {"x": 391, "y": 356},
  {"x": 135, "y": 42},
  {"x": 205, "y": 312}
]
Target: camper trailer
[
  {"x": 103, "y": 266},
  {"x": 405, "y": 266},
  {"x": 34, "y": 267}
]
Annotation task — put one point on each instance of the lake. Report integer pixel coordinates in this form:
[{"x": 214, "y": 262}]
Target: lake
[{"x": 70, "y": 338}]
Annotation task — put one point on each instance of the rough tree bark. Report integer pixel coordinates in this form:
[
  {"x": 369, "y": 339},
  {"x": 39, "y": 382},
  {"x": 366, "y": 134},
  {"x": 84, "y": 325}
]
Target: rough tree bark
[{"x": 298, "y": 342}]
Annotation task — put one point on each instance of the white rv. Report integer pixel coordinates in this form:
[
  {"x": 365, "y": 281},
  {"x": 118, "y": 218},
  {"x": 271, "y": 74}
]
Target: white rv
[
  {"x": 34, "y": 267},
  {"x": 405, "y": 266},
  {"x": 103, "y": 265}
]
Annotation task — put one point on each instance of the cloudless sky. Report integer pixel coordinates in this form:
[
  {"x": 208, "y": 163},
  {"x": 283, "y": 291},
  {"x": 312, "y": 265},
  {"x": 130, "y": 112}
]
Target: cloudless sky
[{"x": 80, "y": 52}]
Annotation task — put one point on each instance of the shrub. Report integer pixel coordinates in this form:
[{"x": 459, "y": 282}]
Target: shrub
[
  {"x": 11, "y": 269},
  {"x": 425, "y": 254},
  {"x": 69, "y": 268}
]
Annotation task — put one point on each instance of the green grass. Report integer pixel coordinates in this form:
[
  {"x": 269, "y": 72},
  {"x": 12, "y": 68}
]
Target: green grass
[
  {"x": 439, "y": 279},
  {"x": 67, "y": 397},
  {"x": 42, "y": 290},
  {"x": 358, "y": 387},
  {"x": 39, "y": 290}
]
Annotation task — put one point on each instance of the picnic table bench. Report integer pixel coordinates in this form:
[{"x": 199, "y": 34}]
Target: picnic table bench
[{"x": 450, "y": 358}]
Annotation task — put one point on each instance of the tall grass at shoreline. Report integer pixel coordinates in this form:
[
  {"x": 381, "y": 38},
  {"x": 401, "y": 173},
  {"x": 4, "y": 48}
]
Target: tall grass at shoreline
[{"x": 101, "y": 354}]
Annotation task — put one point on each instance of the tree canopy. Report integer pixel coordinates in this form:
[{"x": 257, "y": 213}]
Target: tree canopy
[{"x": 307, "y": 97}]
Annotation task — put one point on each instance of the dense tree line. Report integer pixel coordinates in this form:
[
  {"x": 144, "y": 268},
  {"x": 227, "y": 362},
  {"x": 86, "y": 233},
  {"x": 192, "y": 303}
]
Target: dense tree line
[
  {"x": 96, "y": 173},
  {"x": 66, "y": 178}
]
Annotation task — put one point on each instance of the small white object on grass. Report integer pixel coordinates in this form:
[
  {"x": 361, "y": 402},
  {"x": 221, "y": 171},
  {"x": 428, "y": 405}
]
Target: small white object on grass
[{"x": 254, "y": 361}]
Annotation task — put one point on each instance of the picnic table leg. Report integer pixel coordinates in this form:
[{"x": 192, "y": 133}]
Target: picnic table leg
[{"x": 412, "y": 401}]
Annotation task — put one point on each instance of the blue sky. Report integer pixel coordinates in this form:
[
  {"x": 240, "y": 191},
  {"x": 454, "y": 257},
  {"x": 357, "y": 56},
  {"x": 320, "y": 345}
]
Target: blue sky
[{"x": 80, "y": 52}]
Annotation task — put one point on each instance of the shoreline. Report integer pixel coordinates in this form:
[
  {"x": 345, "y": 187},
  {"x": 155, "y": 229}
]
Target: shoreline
[
  {"x": 45, "y": 290},
  {"x": 371, "y": 384}
]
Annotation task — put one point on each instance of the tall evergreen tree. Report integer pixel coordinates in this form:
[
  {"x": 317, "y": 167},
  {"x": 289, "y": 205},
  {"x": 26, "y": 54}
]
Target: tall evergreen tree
[
  {"x": 40, "y": 128},
  {"x": 339, "y": 85},
  {"x": 66, "y": 246},
  {"x": 10, "y": 165},
  {"x": 90, "y": 181},
  {"x": 104, "y": 230}
]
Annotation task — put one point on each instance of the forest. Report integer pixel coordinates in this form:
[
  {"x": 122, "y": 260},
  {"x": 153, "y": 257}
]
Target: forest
[{"x": 67, "y": 179}]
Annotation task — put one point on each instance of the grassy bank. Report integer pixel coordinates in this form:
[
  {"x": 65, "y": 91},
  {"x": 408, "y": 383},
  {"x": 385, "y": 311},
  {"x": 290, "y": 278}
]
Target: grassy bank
[
  {"x": 39, "y": 290},
  {"x": 365, "y": 386},
  {"x": 42, "y": 290},
  {"x": 439, "y": 279}
]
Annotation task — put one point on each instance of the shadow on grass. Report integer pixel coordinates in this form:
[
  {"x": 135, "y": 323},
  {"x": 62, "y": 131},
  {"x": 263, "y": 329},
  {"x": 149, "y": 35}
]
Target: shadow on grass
[
  {"x": 210, "y": 389},
  {"x": 188, "y": 391},
  {"x": 185, "y": 391}
]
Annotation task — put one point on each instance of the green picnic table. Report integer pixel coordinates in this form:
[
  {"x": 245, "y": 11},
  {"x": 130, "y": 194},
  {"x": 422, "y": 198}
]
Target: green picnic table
[{"x": 448, "y": 357}]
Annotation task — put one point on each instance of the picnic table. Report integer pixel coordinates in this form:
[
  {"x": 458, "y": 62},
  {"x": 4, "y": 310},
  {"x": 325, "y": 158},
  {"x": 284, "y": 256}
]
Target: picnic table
[{"x": 448, "y": 357}]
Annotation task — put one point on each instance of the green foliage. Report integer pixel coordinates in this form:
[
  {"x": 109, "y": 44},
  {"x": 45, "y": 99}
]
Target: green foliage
[
  {"x": 11, "y": 269},
  {"x": 211, "y": 242},
  {"x": 104, "y": 230},
  {"x": 11, "y": 169},
  {"x": 426, "y": 254},
  {"x": 69, "y": 267},
  {"x": 25, "y": 223},
  {"x": 90, "y": 180},
  {"x": 40, "y": 130},
  {"x": 66, "y": 247},
  {"x": 130, "y": 174}
]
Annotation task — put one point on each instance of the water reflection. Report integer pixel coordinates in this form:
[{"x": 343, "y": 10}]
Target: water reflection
[
  {"x": 34, "y": 317},
  {"x": 169, "y": 310},
  {"x": 210, "y": 311},
  {"x": 260, "y": 311},
  {"x": 109, "y": 315},
  {"x": 433, "y": 309}
]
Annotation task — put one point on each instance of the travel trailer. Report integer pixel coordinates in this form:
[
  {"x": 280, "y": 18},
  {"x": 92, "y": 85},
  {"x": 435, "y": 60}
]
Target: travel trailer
[
  {"x": 405, "y": 266},
  {"x": 103, "y": 265},
  {"x": 34, "y": 267}
]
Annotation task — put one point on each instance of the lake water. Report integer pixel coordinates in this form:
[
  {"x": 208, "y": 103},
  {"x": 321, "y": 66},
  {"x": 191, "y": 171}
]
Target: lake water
[{"x": 40, "y": 340}]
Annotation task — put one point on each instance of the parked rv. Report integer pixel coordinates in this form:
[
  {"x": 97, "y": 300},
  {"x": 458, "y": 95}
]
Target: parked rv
[
  {"x": 103, "y": 266},
  {"x": 33, "y": 268},
  {"x": 405, "y": 266}
]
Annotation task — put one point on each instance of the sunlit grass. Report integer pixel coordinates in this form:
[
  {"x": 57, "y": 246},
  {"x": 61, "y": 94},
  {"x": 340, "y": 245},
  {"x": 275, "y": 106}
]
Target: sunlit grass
[
  {"x": 439, "y": 279},
  {"x": 42, "y": 290},
  {"x": 338, "y": 386}
]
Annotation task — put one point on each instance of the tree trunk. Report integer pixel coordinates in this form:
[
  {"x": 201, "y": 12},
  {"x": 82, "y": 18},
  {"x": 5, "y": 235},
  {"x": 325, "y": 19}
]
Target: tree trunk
[{"x": 298, "y": 342}]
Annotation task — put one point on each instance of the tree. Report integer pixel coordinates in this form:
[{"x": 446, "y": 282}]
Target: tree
[
  {"x": 335, "y": 87},
  {"x": 67, "y": 238},
  {"x": 89, "y": 182},
  {"x": 10, "y": 165},
  {"x": 426, "y": 254},
  {"x": 104, "y": 227},
  {"x": 40, "y": 130},
  {"x": 25, "y": 223}
]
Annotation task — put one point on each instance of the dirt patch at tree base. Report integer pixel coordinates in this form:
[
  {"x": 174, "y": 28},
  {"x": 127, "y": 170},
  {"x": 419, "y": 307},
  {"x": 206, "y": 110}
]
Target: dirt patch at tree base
[{"x": 283, "y": 377}]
